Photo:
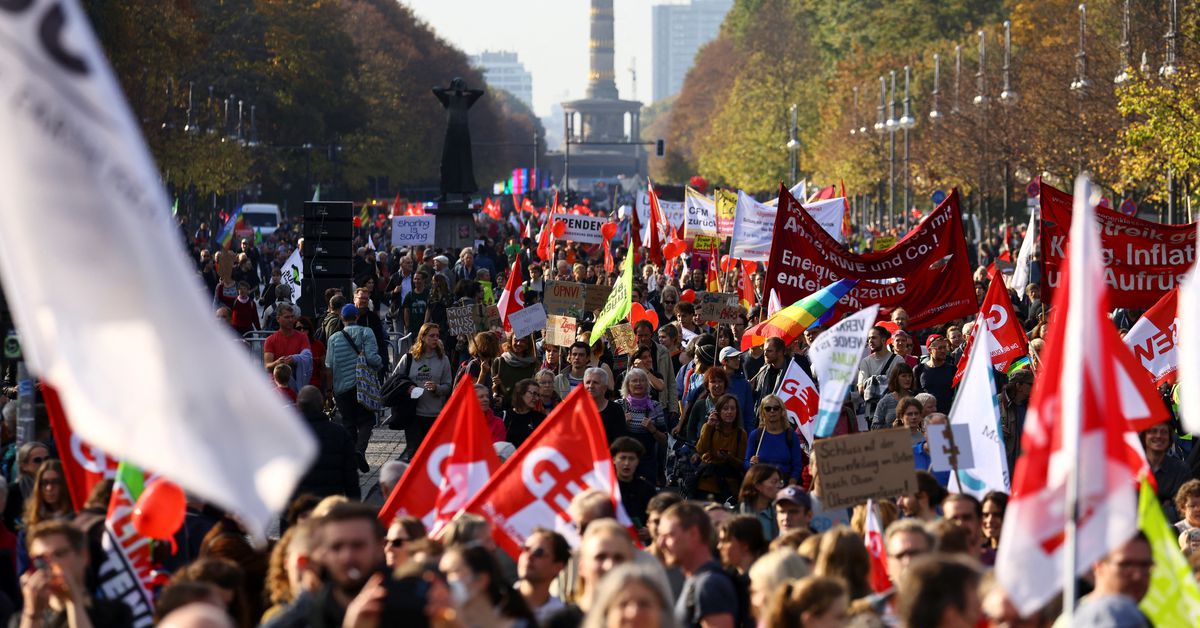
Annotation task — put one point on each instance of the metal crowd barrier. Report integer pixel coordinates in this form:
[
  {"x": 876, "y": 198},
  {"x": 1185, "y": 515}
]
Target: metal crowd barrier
[{"x": 398, "y": 344}]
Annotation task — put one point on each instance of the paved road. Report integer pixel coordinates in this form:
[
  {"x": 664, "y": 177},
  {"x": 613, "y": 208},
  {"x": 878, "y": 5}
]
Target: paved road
[{"x": 385, "y": 445}]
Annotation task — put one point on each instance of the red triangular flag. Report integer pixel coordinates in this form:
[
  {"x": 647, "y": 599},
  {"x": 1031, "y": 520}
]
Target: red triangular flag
[
  {"x": 996, "y": 316},
  {"x": 565, "y": 455},
  {"x": 654, "y": 239},
  {"x": 511, "y": 299},
  {"x": 453, "y": 462}
]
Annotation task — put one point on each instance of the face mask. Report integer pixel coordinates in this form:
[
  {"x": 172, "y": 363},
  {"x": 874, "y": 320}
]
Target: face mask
[{"x": 458, "y": 592}]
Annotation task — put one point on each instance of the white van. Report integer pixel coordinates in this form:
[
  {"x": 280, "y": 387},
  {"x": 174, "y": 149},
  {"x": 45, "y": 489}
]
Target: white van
[{"x": 265, "y": 217}]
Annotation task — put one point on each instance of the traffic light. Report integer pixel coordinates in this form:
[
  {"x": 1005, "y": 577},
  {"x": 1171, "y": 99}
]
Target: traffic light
[{"x": 659, "y": 148}]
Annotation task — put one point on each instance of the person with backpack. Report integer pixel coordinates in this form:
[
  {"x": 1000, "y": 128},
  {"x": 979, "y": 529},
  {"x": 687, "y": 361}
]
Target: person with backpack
[
  {"x": 711, "y": 596},
  {"x": 774, "y": 442},
  {"x": 345, "y": 347}
]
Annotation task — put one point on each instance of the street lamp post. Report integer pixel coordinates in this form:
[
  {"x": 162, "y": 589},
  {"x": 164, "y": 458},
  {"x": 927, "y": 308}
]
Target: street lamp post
[
  {"x": 907, "y": 122},
  {"x": 880, "y": 127},
  {"x": 981, "y": 101},
  {"x": 892, "y": 124}
]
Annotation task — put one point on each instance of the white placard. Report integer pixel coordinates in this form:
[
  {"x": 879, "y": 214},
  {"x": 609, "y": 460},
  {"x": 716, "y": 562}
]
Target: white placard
[
  {"x": 413, "y": 230},
  {"x": 528, "y": 320},
  {"x": 940, "y": 448},
  {"x": 583, "y": 229}
]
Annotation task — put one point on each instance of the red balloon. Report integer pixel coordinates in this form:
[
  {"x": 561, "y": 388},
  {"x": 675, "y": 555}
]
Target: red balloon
[
  {"x": 688, "y": 295},
  {"x": 357, "y": 222},
  {"x": 699, "y": 183},
  {"x": 674, "y": 249},
  {"x": 724, "y": 263},
  {"x": 159, "y": 511},
  {"x": 559, "y": 228},
  {"x": 636, "y": 313},
  {"x": 652, "y": 317},
  {"x": 608, "y": 230}
]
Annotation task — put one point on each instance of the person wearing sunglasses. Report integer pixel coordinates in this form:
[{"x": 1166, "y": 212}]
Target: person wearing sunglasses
[
  {"x": 30, "y": 456},
  {"x": 774, "y": 442},
  {"x": 398, "y": 544},
  {"x": 543, "y": 556}
]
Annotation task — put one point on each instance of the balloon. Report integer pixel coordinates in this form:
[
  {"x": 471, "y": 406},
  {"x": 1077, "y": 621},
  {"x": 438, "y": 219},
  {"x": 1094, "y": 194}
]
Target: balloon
[
  {"x": 652, "y": 318},
  {"x": 724, "y": 263},
  {"x": 559, "y": 228},
  {"x": 608, "y": 230},
  {"x": 688, "y": 295},
  {"x": 699, "y": 183},
  {"x": 159, "y": 511},
  {"x": 674, "y": 249},
  {"x": 638, "y": 313},
  {"x": 357, "y": 222}
]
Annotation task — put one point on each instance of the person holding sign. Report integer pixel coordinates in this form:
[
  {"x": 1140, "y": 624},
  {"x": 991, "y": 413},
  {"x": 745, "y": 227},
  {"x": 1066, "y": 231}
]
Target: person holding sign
[{"x": 774, "y": 442}]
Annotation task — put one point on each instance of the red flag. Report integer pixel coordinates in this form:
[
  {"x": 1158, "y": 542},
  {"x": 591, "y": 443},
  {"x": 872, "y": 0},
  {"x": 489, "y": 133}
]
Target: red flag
[
  {"x": 713, "y": 279},
  {"x": 511, "y": 299},
  {"x": 1152, "y": 338},
  {"x": 453, "y": 462},
  {"x": 996, "y": 317},
  {"x": 746, "y": 289},
  {"x": 1080, "y": 426},
  {"x": 396, "y": 210},
  {"x": 873, "y": 539},
  {"x": 565, "y": 455},
  {"x": 83, "y": 465},
  {"x": 658, "y": 221},
  {"x": 847, "y": 229}
]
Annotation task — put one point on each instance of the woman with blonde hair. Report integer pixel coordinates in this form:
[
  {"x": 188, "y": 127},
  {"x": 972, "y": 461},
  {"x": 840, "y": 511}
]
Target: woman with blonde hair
[
  {"x": 813, "y": 602},
  {"x": 632, "y": 596},
  {"x": 774, "y": 442},
  {"x": 605, "y": 546},
  {"x": 429, "y": 368},
  {"x": 770, "y": 572},
  {"x": 48, "y": 500}
]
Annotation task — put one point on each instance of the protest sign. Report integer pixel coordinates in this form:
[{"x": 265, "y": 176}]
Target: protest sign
[
  {"x": 1143, "y": 260},
  {"x": 945, "y": 455},
  {"x": 981, "y": 458},
  {"x": 413, "y": 230},
  {"x": 752, "y": 228},
  {"x": 673, "y": 211},
  {"x": 883, "y": 243},
  {"x": 126, "y": 572},
  {"x": 718, "y": 307},
  {"x": 927, "y": 272},
  {"x": 528, "y": 320},
  {"x": 583, "y": 229},
  {"x": 700, "y": 214},
  {"x": 292, "y": 274},
  {"x": 620, "y": 300},
  {"x": 624, "y": 342},
  {"x": 872, "y": 465},
  {"x": 462, "y": 321},
  {"x": 706, "y": 243},
  {"x": 828, "y": 213},
  {"x": 560, "y": 330},
  {"x": 595, "y": 296},
  {"x": 726, "y": 208},
  {"x": 835, "y": 355},
  {"x": 564, "y": 298},
  {"x": 491, "y": 317}
]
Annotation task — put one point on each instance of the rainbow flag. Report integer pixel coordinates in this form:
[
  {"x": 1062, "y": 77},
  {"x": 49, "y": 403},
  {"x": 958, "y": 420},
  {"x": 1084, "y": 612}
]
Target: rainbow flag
[
  {"x": 792, "y": 320},
  {"x": 235, "y": 222},
  {"x": 1018, "y": 364}
]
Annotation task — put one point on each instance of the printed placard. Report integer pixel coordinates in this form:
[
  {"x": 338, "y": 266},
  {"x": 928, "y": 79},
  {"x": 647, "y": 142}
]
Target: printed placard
[
  {"x": 583, "y": 229},
  {"x": 718, "y": 307},
  {"x": 624, "y": 342},
  {"x": 560, "y": 330},
  {"x": 413, "y": 230},
  {"x": 883, "y": 243},
  {"x": 872, "y": 465}
]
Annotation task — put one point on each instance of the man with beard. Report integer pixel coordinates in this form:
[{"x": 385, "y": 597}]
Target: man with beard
[{"x": 351, "y": 550}]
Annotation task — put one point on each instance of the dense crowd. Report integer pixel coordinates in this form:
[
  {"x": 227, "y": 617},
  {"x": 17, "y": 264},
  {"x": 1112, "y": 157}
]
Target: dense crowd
[{"x": 719, "y": 484}]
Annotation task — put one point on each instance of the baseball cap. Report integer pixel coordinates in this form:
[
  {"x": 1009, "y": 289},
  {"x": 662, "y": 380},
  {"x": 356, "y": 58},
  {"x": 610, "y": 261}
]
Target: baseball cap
[
  {"x": 795, "y": 495},
  {"x": 931, "y": 339},
  {"x": 730, "y": 352},
  {"x": 349, "y": 311}
]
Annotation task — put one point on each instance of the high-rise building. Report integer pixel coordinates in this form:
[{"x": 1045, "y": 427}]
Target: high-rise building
[
  {"x": 502, "y": 70},
  {"x": 679, "y": 32}
]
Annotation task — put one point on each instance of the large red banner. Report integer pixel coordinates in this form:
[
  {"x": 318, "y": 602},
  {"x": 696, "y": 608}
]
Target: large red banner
[
  {"x": 927, "y": 273},
  {"x": 1143, "y": 260}
]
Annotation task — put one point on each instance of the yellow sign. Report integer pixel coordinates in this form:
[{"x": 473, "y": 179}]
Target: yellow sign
[{"x": 883, "y": 243}]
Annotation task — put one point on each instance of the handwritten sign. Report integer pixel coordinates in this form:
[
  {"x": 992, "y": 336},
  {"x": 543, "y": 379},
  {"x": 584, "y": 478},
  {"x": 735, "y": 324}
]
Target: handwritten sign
[
  {"x": 595, "y": 296},
  {"x": 945, "y": 455},
  {"x": 528, "y": 321},
  {"x": 718, "y": 307},
  {"x": 624, "y": 342},
  {"x": 560, "y": 330},
  {"x": 883, "y": 243},
  {"x": 877, "y": 465},
  {"x": 413, "y": 230},
  {"x": 491, "y": 318},
  {"x": 462, "y": 320},
  {"x": 706, "y": 243},
  {"x": 565, "y": 298}
]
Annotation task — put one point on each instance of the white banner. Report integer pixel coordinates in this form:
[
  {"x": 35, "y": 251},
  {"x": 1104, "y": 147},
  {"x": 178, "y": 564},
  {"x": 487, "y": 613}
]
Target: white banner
[
  {"x": 1020, "y": 276},
  {"x": 752, "y": 229},
  {"x": 583, "y": 229},
  {"x": 73, "y": 165},
  {"x": 800, "y": 399},
  {"x": 828, "y": 214},
  {"x": 292, "y": 274},
  {"x": 835, "y": 355},
  {"x": 1189, "y": 351},
  {"x": 700, "y": 214},
  {"x": 673, "y": 210},
  {"x": 977, "y": 407},
  {"x": 413, "y": 230}
]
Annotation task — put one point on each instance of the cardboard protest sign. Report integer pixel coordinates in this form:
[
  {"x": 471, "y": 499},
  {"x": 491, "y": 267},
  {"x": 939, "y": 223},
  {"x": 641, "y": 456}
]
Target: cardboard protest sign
[
  {"x": 872, "y": 465},
  {"x": 413, "y": 230},
  {"x": 560, "y": 330},
  {"x": 718, "y": 307},
  {"x": 564, "y": 298},
  {"x": 527, "y": 321},
  {"x": 583, "y": 229},
  {"x": 491, "y": 317},
  {"x": 726, "y": 207},
  {"x": 462, "y": 320},
  {"x": 624, "y": 342},
  {"x": 595, "y": 296}
]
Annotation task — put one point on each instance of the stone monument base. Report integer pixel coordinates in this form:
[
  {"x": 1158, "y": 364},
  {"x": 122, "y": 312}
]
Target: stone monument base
[{"x": 455, "y": 226}]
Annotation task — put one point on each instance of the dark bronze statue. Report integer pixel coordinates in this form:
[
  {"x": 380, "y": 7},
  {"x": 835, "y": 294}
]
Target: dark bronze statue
[{"x": 458, "y": 171}]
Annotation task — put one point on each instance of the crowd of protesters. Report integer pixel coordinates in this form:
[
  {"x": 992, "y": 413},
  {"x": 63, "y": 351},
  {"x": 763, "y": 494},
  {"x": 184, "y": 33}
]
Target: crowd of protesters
[{"x": 717, "y": 481}]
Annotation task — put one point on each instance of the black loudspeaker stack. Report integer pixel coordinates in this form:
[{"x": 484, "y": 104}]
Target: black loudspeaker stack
[{"x": 328, "y": 253}]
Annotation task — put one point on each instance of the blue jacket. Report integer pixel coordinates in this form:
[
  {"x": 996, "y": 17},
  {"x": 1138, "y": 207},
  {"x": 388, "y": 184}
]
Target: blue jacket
[
  {"x": 781, "y": 451},
  {"x": 342, "y": 359}
]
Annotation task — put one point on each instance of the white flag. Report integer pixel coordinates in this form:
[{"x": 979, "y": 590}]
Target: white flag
[
  {"x": 800, "y": 399},
  {"x": 835, "y": 355},
  {"x": 976, "y": 407},
  {"x": 292, "y": 274},
  {"x": 1020, "y": 276},
  {"x": 1189, "y": 350},
  {"x": 146, "y": 372}
]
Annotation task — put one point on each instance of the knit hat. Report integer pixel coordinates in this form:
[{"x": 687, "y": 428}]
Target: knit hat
[
  {"x": 705, "y": 353},
  {"x": 349, "y": 311}
]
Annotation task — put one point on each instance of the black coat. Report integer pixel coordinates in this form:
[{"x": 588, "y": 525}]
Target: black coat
[{"x": 335, "y": 470}]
